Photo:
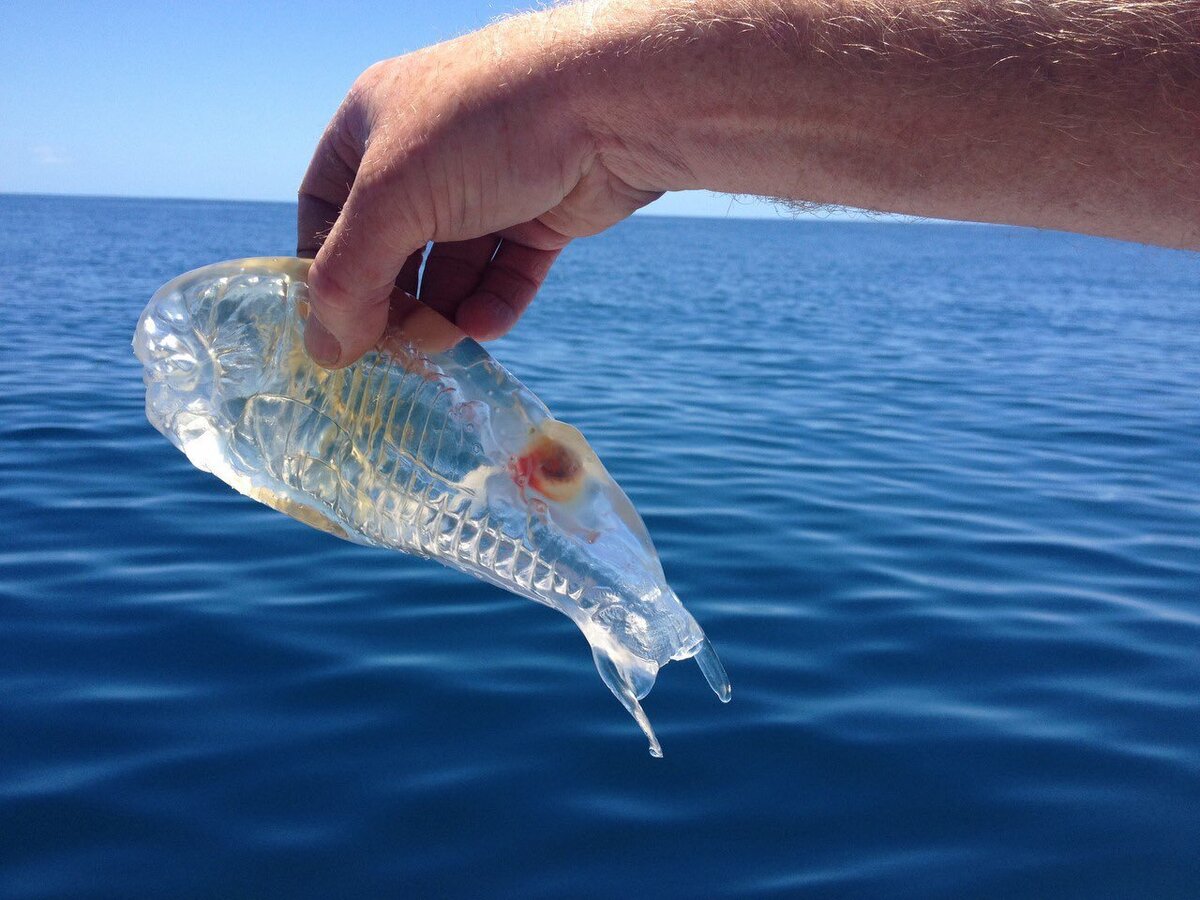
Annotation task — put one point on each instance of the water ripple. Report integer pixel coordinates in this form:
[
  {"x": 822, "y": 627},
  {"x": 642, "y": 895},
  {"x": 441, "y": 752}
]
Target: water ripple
[{"x": 933, "y": 491}]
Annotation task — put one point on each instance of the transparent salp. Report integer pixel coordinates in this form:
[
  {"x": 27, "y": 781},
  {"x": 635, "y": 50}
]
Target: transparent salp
[{"x": 425, "y": 445}]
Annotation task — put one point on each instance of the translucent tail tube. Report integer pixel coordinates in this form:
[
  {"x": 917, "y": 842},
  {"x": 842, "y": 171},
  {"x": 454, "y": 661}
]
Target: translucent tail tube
[
  {"x": 714, "y": 673},
  {"x": 619, "y": 683},
  {"x": 630, "y": 683}
]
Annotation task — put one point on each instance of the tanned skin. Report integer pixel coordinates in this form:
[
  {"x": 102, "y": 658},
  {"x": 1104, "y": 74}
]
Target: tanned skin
[{"x": 502, "y": 146}]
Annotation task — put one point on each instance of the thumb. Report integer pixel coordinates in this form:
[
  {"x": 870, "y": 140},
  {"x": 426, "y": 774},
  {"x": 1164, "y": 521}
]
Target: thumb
[{"x": 355, "y": 270}]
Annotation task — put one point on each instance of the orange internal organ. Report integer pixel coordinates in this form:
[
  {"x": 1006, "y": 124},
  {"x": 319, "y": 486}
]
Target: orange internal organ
[{"x": 550, "y": 468}]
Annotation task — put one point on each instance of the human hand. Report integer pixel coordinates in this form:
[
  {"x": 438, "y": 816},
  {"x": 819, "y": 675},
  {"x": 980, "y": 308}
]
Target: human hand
[
  {"x": 503, "y": 145},
  {"x": 477, "y": 145}
]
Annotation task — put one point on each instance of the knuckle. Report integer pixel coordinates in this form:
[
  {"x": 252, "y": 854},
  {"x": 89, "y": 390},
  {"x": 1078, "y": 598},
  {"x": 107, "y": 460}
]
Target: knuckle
[
  {"x": 365, "y": 83},
  {"x": 329, "y": 293},
  {"x": 401, "y": 203},
  {"x": 376, "y": 70},
  {"x": 333, "y": 297}
]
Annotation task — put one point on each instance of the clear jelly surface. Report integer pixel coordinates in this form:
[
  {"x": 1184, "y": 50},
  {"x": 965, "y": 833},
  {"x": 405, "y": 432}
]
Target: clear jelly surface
[{"x": 426, "y": 445}]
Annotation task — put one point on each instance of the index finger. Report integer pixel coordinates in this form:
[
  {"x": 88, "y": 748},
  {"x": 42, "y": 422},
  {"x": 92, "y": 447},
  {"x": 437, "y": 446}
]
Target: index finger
[
  {"x": 354, "y": 272},
  {"x": 327, "y": 183}
]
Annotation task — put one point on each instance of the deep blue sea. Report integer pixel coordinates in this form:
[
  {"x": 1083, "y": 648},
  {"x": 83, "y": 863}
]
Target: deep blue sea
[{"x": 932, "y": 490}]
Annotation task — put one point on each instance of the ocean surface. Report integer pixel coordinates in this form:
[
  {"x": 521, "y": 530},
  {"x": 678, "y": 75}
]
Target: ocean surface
[{"x": 932, "y": 490}]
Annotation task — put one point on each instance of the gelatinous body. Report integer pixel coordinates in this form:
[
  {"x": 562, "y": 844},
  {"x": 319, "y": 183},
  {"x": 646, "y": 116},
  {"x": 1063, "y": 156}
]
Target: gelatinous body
[{"x": 426, "y": 445}]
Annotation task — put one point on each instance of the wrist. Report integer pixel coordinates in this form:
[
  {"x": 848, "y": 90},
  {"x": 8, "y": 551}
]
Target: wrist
[
  {"x": 668, "y": 93},
  {"x": 618, "y": 77}
]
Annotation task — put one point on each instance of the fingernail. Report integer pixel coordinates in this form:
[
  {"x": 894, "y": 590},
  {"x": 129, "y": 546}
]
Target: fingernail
[{"x": 322, "y": 346}]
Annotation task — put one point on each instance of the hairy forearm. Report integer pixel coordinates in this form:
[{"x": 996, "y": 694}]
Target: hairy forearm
[
  {"x": 1075, "y": 114},
  {"x": 502, "y": 146}
]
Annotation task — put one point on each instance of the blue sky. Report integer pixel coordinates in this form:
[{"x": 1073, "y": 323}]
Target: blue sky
[{"x": 213, "y": 100}]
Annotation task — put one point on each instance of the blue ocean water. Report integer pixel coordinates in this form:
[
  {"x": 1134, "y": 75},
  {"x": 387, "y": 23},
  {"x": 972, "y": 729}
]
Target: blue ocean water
[{"x": 933, "y": 491}]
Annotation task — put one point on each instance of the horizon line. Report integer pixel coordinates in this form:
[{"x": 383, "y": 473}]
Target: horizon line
[{"x": 819, "y": 215}]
